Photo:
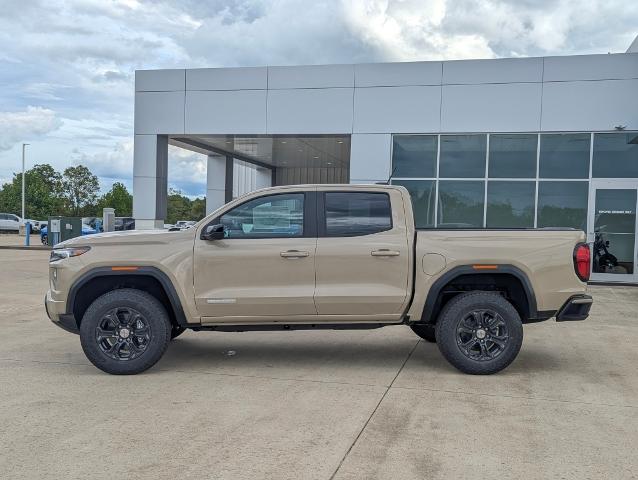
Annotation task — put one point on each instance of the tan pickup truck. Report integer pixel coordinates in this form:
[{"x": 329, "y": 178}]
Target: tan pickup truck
[{"x": 313, "y": 257}]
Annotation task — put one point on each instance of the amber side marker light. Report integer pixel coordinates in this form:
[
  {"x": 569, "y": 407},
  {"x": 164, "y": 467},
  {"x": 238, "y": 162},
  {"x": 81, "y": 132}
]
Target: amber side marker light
[
  {"x": 485, "y": 267},
  {"x": 123, "y": 269}
]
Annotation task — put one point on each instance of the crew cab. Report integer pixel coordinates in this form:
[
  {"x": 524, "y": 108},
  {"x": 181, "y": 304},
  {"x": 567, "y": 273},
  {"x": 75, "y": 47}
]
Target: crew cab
[{"x": 313, "y": 257}]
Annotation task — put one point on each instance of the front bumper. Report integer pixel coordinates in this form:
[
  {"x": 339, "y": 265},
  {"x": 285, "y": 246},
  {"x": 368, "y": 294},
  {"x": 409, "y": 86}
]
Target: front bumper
[
  {"x": 56, "y": 313},
  {"x": 574, "y": 309}
]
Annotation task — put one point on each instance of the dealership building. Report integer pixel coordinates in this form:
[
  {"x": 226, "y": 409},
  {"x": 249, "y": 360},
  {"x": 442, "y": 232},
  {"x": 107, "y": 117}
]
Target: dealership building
[{"x": 504, "y": 143}]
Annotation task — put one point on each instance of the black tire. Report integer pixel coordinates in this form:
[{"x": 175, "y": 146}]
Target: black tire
[
  {"x": 133, "y": 313},
  {"x": 479, "y": 333},
  {"x": 425, "y": 331},
  {"x": 176, "y": 331}
]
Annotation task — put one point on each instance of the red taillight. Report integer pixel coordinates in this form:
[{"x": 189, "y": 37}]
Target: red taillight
[{"x": 582, "y": 261}]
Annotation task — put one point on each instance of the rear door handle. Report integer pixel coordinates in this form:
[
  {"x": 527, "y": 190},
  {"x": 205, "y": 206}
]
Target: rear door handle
[
  {"x": 294, "y": 254},
  {"x": 384, "y": 252}
]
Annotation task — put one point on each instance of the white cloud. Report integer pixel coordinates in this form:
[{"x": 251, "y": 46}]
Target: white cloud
[
  {"x": 24, "y": 125},
  {"x": 75, "y": 59}
]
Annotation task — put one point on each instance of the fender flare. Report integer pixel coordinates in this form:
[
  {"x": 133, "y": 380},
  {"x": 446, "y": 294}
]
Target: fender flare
[
  {"x": 431, "y": 302},
  {"x": 145, "y": 271}
]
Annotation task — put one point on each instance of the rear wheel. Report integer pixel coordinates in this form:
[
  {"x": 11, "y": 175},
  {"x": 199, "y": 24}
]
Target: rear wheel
[
  {"x": 426, "y": 332},
  {"x": 125, "y": 331},
  {"x": 479, "y": 332}
]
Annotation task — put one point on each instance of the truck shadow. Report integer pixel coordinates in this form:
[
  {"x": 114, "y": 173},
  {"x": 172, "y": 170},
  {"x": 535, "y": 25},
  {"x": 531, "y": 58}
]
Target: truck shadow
[{"x": 273, "y": 353}]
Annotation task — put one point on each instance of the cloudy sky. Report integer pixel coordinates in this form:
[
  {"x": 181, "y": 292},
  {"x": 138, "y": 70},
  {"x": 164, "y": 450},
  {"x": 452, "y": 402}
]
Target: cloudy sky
[{"x": 67, "y": 67}]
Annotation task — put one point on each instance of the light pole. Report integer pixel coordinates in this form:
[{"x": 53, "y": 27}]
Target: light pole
[{"x": 23, "y": 181}]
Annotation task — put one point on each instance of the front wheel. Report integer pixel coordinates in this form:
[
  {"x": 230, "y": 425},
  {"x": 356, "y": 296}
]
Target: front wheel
[
  {"x": 125, "y": 331},
  {"x": 479, "y": 333}
]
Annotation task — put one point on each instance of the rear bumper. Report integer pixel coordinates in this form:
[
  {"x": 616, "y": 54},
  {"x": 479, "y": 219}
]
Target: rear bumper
[
  {"x": 55, "y": 312},
  {"x": 574, "y": 309}
]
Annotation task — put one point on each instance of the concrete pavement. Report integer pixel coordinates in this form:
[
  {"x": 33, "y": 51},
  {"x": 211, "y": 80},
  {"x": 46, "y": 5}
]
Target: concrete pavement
[{"x": 316, "y": 405}]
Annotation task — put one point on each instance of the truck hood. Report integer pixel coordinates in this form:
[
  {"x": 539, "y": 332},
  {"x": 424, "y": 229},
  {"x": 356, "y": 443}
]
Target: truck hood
[{"x": 129, "y": 237}]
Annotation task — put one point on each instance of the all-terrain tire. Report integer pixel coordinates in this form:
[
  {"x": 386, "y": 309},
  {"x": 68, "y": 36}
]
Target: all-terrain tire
[
  {"x": 154, "y": 317},
  {"x": 455, "y": 330},
  {"x": 425, "y": 331}
]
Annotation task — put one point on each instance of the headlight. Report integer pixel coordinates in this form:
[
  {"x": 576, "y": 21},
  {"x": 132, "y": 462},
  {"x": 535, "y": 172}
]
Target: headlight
[{"x": 62, "y": 253}]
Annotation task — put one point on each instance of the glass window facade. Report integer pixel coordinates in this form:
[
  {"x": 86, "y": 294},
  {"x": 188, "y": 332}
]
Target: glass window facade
[
  {"x": 562, "y": 204},
  {"x": 414, "y": 156},
  {"x": 564, "y": 155},
  {"x": 463, "y": 156},
  {"x": 533, "y": 180},
  {"x": 615, "y": 155},
  {"x": 510, "y": 204},
  {"x": 513, "y": 156},
  {"x": 461, "y": 204}
]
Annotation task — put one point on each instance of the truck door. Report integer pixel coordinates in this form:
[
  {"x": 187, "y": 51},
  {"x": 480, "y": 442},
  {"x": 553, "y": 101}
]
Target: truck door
[
  {"x": 363, "y": 258},
  {"x": 263, "y": 269}
]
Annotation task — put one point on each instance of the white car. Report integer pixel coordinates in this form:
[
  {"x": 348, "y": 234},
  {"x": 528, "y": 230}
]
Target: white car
[
  {"x": 10, "y": 222},
  {"x": 184, "y": 224}
]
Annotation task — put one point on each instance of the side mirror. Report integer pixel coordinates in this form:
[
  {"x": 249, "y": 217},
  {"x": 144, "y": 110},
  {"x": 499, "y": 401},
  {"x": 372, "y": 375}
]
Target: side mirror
[{"x": 213, "y": 232}]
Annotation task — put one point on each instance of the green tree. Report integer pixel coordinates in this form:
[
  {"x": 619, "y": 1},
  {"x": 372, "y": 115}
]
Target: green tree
[
  {"x": 198, "y": 209},
  {"x": 80, "y": 188},
  {"x": 118, "y": 198},
  {"x": 43, "y": 188},
  {"x": 178, "y": 207}
]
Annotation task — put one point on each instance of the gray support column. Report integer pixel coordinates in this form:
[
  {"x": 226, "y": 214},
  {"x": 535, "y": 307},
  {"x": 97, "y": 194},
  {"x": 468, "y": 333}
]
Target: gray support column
[
  {"x": 150, "y": 181},
  {"x": 230, "y": 171},
  {"x": 216, "y": 182}
]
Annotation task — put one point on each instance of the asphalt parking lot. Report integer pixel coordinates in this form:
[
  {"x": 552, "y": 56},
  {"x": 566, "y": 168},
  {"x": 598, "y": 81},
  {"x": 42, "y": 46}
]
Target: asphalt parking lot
[{"x": 316, "y": 405}]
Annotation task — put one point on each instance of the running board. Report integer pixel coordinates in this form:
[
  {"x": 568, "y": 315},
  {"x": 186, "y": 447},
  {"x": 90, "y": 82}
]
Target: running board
[{"x": 300, "y": 326}]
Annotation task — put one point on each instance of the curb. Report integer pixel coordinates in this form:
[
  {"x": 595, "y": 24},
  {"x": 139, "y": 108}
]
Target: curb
[{"x": 24, "y": 247}]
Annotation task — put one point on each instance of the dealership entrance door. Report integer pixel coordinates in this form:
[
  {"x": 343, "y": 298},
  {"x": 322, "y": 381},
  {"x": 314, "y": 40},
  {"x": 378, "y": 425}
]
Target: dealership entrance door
[{"x": 612, "y": 230}]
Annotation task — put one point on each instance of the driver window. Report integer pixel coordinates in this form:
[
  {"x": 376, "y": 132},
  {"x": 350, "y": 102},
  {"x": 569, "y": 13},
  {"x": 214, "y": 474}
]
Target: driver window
[{"x": 273, "y": 216}]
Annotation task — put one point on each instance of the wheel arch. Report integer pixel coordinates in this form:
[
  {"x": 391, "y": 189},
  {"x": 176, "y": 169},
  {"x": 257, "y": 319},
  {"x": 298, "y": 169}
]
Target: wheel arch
[
  {"x": 100, "y": 280},
  {"x": 505, "y": 278}
]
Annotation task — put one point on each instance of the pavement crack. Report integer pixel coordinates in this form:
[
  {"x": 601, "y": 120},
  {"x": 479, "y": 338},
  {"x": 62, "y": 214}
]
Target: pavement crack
[{"x": 343, "y": 459}]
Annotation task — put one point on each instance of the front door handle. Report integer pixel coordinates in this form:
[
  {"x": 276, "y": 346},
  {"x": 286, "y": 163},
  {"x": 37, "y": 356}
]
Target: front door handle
[
  {"x": 294, "y": 254},
  {"x": 384, "y": 252}
]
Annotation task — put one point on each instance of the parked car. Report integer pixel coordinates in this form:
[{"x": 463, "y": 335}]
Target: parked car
[
  {"x": 312, "y": 257},
  {"x": 10, "y": 222},
  {"x": 44, "y": 233},
  {"x": 185, "y": 223},
  {"x": 124, "y": 223}
]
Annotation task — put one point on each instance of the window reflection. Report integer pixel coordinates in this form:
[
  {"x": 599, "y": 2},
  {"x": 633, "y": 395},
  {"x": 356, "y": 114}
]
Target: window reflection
[
  {"x": 615, "y": 155},
  {"x": 510, "y": 204},
  {"x": 463, "y": 156},
  {"x": 564, "y": 155},
  {"x": 461, "y": 204},
  {"x": 414, "y": 156},
  {"x": 513, "y": 156},
  {"x": 562, "y": 204},
  {"x": 357, "y": 213}
]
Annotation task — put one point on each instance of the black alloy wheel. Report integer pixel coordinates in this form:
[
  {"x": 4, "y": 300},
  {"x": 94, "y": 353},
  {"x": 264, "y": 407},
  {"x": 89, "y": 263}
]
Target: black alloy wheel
[
  {"x": 123, "y": 333},
  {"x": 482, "y": 334}
]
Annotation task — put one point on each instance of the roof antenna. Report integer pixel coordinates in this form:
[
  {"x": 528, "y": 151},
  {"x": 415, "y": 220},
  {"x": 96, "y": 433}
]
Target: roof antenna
[{"x": 387, "y": 182}]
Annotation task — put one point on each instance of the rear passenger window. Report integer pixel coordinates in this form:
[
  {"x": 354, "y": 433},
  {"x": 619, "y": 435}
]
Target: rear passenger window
[{"x": 350, "y": 214}]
